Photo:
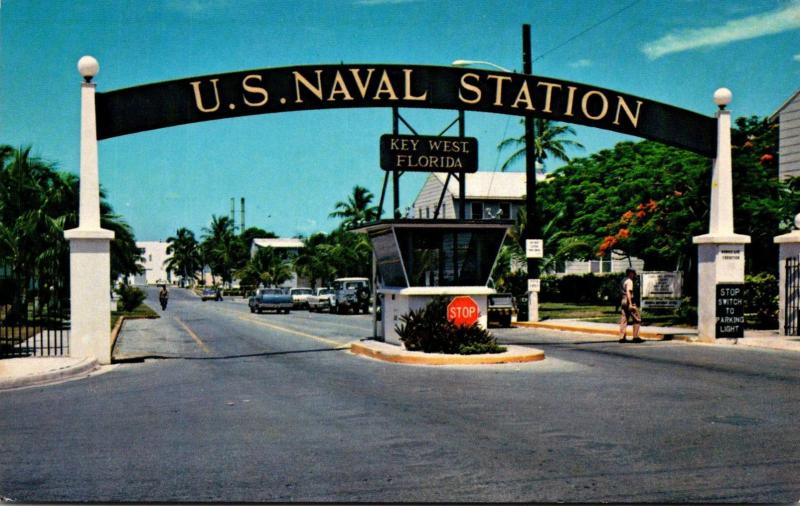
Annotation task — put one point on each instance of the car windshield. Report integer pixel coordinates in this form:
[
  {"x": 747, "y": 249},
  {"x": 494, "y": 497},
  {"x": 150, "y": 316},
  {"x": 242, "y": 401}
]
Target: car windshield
[
  {"x": 272, "y": 291},
  {"x": 209, "y": 290},
  {"x": 326, "y": 291},
  {"x": 353, "y": 286},
  {"x": 301, "y": 291}
]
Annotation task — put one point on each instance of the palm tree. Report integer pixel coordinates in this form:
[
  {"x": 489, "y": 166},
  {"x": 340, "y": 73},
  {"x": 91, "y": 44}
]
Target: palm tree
[
  {"x": 222, "y": 249},
  {"x": 357, "y": 210},
  {"x": 185, "y": 251},
  {"x": 549, "y": 140},
  {"x": 267, "y": 266},
  {"x": 37, "y": 203}
]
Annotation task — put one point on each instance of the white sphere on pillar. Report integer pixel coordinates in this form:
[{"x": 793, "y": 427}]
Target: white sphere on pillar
[
  {"x": 797, "y": 222},
  {"x": 88, "y": 67},
  {"x": 723, "y": 97}
]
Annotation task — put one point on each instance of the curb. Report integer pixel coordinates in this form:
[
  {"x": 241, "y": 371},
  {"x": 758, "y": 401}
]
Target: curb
[
  {"x": 644, "y": 334},
  {"x": 83, "y": 367},
  {"x": 398, "y": 355},
  {"x": 115, "y": 333}
]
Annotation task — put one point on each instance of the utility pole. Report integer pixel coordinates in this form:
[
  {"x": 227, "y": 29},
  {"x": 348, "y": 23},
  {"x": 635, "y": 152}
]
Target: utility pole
[{"x": 532, "y": 228}]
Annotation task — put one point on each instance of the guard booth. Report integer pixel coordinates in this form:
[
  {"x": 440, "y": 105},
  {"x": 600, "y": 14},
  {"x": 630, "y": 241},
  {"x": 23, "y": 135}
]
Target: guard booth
[{"x": 420, "y": 259}]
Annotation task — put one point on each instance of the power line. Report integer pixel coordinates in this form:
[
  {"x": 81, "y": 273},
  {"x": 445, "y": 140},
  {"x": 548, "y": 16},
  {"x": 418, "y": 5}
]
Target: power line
[{"x": 586, "y": 30}]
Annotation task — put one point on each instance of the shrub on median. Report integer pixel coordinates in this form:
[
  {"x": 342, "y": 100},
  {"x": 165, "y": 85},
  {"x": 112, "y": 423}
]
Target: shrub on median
[
  {"x": 130, "y": 297},
  {"x": 428, "y": 329}
]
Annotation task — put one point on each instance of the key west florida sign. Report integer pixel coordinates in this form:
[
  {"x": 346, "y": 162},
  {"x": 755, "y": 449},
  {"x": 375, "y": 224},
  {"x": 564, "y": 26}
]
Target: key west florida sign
[{"x": 273, "y": 90}]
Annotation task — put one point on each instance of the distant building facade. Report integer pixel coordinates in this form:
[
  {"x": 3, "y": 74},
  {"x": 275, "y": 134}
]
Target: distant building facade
[
  {"x": 155, "y": 257},
  {"x": 291, "y": 246},
  {"x": 788, "y": 118},
  {"x": 489, "y": 195}
]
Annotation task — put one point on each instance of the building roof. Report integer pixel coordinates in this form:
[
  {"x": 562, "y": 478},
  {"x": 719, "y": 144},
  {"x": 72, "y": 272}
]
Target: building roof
[
  {"x": 279, "y": 243},
  {"x": 489, "y": 185},
  {"x": 783, "y": 106}
]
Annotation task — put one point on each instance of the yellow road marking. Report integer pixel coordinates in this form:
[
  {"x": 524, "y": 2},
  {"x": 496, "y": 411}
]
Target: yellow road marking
[
  {"x": 336, "y": 344},
  {"x": 199, "y": 342},
  {"x": 331, "y": 342}
]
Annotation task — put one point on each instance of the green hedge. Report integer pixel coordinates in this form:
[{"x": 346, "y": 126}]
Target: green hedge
[
  {"x": 581, "y": 288},
  {"x": 761, "y": 300}
]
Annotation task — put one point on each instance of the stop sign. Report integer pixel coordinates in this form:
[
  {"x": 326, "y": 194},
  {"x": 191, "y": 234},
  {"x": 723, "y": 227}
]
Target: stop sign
[{"x": 463, "y": 310}]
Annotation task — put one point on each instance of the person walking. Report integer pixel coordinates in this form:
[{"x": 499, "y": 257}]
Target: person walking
[
  {"x": 628, "y": 309},
  {"x": 163, "y": 297}
]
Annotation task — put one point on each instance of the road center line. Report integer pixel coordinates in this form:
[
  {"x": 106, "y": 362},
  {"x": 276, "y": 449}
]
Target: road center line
[
  {"x": 199, "y": 342},
  {"x": 331, "y": 342}
]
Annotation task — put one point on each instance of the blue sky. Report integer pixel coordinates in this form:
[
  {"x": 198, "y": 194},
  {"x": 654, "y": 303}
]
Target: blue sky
[{"x": 291, "y": 168}]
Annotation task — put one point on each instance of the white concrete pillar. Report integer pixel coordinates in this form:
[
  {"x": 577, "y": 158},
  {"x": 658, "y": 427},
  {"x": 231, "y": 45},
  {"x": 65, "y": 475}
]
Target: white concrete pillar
[
  {"x": 789, "y": 247},
  {"x": 720, "y": 252},
  {"x": 89, "y": 259}
]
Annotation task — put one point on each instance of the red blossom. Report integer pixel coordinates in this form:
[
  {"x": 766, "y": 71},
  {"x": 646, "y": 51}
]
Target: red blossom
[
  {"x": 627, "y": 217},
  {"x": 766, "y": 158}
]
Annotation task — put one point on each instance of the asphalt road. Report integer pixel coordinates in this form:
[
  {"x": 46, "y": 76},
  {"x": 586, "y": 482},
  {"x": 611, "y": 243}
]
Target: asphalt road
[{"x": 236, "y": 407}]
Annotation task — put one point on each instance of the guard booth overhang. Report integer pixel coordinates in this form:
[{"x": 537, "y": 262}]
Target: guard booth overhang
[{"x": 420, "y": 259}]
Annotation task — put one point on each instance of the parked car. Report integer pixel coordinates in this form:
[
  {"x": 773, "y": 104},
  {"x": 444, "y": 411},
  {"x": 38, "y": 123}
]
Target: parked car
[
  {"x": 210, "y": 294},
  {"x": 501, "y": 308},
  {"x": 300, "y": 296},
  {"x": 322, "y": 299},
  {"x": 270, "y": 299},
  {"x": 351, "y": 294}
]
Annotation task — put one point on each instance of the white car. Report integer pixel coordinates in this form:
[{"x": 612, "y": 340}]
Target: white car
[
  {"x": 322, "y": 299},
  {"x": 300, "y": 296}
]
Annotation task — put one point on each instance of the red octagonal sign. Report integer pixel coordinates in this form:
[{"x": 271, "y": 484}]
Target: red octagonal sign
[{"x": 463, "y": 310}]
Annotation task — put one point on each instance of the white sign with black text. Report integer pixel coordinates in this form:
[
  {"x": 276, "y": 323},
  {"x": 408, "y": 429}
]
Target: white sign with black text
[{"x": 534, "y": 248}]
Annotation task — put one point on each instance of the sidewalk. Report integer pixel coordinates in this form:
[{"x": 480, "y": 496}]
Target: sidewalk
[
  {"x": 766, "y": 339},
  {"x": 38, "y": 371}
]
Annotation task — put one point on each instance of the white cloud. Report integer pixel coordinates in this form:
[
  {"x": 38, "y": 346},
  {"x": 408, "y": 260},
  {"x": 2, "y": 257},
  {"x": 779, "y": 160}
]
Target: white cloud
[
  {"x": 582, "y": 63},
  {"x": 750, "y": 27},
  {"x": 796, "y": 57}
]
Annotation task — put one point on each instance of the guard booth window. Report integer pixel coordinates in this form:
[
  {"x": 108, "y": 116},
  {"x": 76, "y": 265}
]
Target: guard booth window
[{"x": 436, "y": 257}]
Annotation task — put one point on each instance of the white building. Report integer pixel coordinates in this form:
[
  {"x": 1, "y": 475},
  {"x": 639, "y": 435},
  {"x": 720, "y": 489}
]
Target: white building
[
  {"x": 154, "y": 254},
  {"x": 292, "y": 247},
  {"x": 788, "y": 117},
  {"x": 488, "y": 195}
]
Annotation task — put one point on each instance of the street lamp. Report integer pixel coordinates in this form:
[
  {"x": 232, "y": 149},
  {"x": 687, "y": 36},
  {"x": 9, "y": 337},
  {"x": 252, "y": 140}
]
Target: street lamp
[
  {"x": 88, "y": 67},
  {"x": 466, "y": 63}
]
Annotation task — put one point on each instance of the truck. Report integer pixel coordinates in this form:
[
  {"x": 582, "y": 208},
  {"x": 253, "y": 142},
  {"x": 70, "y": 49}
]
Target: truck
[
  {"x": 351, "y": 294},
  {"x": 322, "y": 299},
  {"x": 501, "y": 308},
  {"x": 270, "y": 299}
]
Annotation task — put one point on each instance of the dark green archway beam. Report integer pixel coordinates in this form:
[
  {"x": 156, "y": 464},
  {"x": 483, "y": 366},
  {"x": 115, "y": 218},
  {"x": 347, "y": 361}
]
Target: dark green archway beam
[{"x": 286, "y": 89}]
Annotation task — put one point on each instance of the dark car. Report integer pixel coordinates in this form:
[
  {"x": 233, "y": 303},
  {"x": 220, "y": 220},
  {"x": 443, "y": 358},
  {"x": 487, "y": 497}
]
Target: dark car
[{"x": 209, "y": 294}]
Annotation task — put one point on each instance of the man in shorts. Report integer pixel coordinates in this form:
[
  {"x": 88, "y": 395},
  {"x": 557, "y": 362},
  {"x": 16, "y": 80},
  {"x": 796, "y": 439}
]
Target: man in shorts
[{"x": 628, "y": 309}]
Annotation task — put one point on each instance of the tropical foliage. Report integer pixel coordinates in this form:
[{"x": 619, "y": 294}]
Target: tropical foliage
[
  {"x": 185, "y": 256},
  {"x": 357, "y": 209},
  {"x": 549, "y": 140},
  {"x": 37, "y": 203}
]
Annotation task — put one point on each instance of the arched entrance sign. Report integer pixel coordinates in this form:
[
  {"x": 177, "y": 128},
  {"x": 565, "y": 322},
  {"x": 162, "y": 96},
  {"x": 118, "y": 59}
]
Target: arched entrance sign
[
  {"x": 159, "y": 105},
  {"x": 287, "y": 89}
]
